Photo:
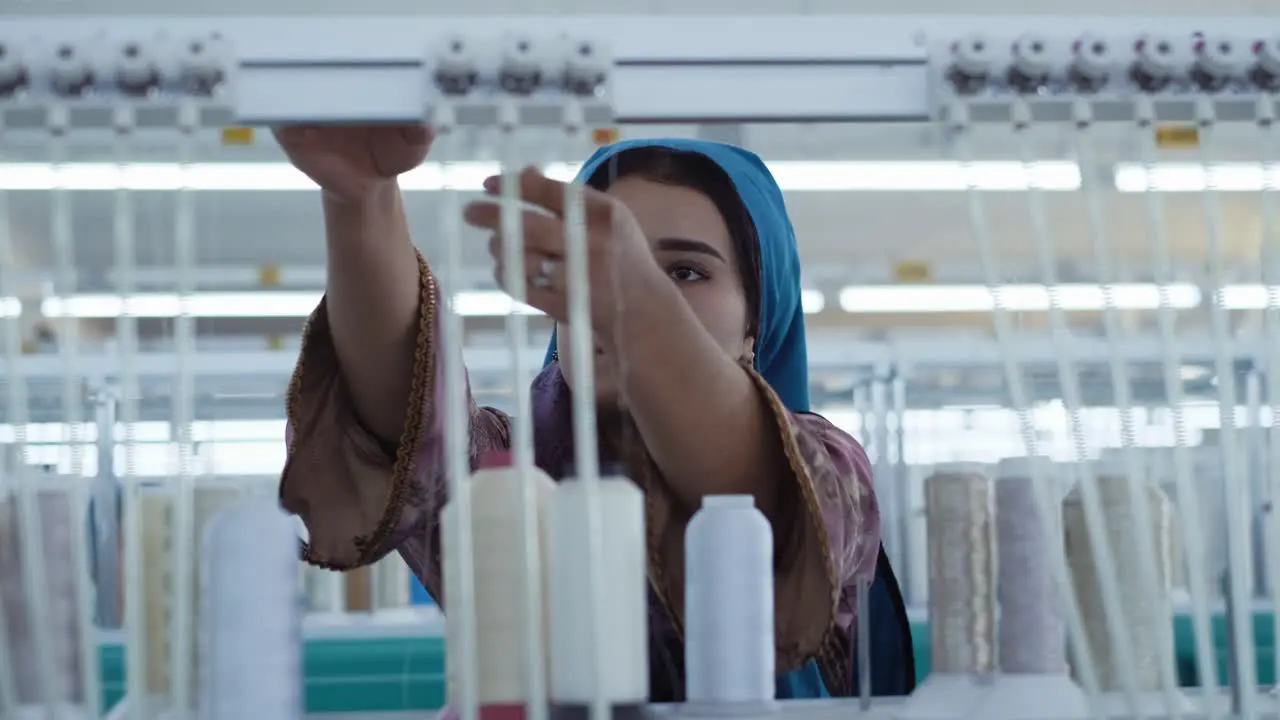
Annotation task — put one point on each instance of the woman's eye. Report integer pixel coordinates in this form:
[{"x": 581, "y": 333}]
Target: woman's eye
[{"x": 687, "y": 274}]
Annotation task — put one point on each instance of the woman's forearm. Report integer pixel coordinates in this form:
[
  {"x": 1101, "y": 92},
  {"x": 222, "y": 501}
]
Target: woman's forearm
[
  {"x": 703, "y": 419},
  {"x": 373, "y": 298}
]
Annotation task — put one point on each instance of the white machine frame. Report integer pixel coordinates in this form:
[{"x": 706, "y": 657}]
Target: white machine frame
[
  {"x": 853, "y": 69},
  {"x": 843, "y": 68}
]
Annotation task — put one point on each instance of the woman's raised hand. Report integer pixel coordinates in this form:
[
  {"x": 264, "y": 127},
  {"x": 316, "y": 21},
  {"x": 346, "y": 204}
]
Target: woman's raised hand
[
  {"x": 622, "y": 270},
  {"x": 351, "y": 162}
]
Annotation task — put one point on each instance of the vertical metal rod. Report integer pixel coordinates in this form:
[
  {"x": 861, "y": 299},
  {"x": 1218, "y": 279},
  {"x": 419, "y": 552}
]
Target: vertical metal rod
[
  {"x": 1233, "y": 670},
  {"x": 104, "y": 504},
  {"x": 864, "y": 644},
  {"x": 901, "y": 479}
]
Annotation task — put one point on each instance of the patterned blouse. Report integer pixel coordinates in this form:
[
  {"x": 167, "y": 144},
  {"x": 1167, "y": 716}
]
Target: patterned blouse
[{"x": 361, "y": 500}]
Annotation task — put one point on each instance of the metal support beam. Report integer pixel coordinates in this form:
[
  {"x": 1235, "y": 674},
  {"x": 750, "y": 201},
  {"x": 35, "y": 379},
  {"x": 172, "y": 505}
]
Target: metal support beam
[{"x": 697, "y": 70}]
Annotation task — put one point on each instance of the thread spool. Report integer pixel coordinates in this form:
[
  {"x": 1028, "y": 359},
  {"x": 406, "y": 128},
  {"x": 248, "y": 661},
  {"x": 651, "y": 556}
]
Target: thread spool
[
  {"x": 324, "y": 590},
  {"x": 390, "y": 577},
  {"x": 159, "y": 584},
  {"x": 623, "y": 670},
  {"x": 496, "y": 540},
  {"x": 358, "y": 590},
  {"x": 1032, "y": 629},
  {"x": 959, "y": 516},
  {"x": 1033, "y": 684},
  {"x": 962, "y": 573},
  {"x": 209, "y": 503},
  {"x": 251, "y": 629},
  {"x": 728, "y": 599},
  {"x": 57, "y": 513},
  {"x": 1150, "y": 634},
  {"x": 156, "y": 509}
]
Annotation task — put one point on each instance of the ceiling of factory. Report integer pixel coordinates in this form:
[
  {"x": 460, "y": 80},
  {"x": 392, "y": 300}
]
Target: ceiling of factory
[
  {"x": 618, "y": 7},
  {"x": 252, "y": 240}
]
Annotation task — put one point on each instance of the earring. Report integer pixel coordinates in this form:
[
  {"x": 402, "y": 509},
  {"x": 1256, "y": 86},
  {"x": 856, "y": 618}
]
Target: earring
[
  {"x": 750, "y": 358},
  {"x": 555, "y": 356}
]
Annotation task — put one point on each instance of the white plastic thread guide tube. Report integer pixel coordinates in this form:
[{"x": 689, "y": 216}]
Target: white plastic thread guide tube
[
  {"x": 73, "y": 401},
  {"x": 1236, "y": 485},
  {"x": 34, "y": 631},
  {"x": 1149, "y": 628},
  {"x": 182, "y": 628},
  {"x": 8, "y": 602},
  {"x": 1064, "y": 346},
  {"x": 728, "y": 600},
  {"x": 957, "y": 122},
  {"x": 253, "y": 652},
  {"x": 519, "y": 54},
  {"x": 458, "y": 555},
  {"x": 1032, "y": 634},
  {"x": 623, "y": 673},
  {"x": 1104, "y": 256},
  {"x": 124, "y": 239},
  {"x": 496, "y": 536}
]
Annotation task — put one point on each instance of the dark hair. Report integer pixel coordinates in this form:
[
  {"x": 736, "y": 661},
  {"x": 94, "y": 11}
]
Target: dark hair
[{"x": 697, "y": 172}]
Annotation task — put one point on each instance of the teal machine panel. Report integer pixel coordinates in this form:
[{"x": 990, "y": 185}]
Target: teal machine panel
[{"x": 408, "y": 673}]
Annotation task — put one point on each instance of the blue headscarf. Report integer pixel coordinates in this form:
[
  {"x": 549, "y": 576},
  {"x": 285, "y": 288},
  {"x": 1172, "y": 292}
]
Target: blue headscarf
[{"x": 781, "y": 354}]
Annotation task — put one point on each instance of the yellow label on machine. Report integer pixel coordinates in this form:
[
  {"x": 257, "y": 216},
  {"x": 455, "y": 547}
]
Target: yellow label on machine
[
  {"x": 269, "y": 275},
  {"x": 1177, "y": 137},
  {"x": 275, "y": 342},
  {"x": 605, "y": 136},
  {"x": 912, "y": 272},
  {"x": 237, "y": 136}
]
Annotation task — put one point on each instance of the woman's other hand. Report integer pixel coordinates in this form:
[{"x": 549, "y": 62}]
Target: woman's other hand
[
  {"x": 621, "y": 266},
  {"x": 351, "y": 162}
]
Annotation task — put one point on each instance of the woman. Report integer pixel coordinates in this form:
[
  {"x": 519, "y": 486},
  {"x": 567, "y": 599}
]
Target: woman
[{"x": 697, "y": 325}]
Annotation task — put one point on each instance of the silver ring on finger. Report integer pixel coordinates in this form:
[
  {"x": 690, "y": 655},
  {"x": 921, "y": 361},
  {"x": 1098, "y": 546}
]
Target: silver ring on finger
[{"x": 542, "y": 278}]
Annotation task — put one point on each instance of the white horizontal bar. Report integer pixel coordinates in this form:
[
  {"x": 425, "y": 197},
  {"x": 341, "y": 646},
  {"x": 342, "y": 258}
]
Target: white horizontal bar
[
  {"x": 1191, "y": 177},
  {"x": 1015, "y": 298},
  {"x": 1194, "y": 347},
  {"x": 726, "y": 69},
  {"x": 792, "y": 176},
  {"x": 225, "y": 364},
  {"x": 268, "y": 304},
  {"x": 824, "y": 356},
  {"x": 861, "y": 299},
  {"x": 480, "y": 303}
]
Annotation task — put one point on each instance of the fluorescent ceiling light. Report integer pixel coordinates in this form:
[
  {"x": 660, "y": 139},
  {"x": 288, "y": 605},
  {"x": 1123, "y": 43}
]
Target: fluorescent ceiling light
[
  {"x": 479, "y": 303},
  {"x": 1248, "y": 297},
  {"x": 244, "y": 305},
  {"x": 1194, "y": 177},
  {"x": 1019, "y": 298},
  {"x": 796, "y": 176},
  {"x": 922, "y": 176},
  {"x": 812, "y": 301},
  {"x": 864, "y": 299}
]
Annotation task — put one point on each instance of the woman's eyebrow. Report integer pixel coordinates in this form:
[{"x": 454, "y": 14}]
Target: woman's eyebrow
[{"x": 687, "y": 245}]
